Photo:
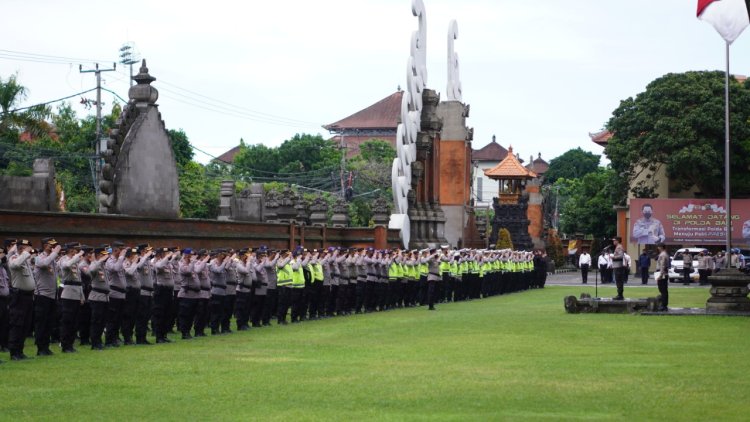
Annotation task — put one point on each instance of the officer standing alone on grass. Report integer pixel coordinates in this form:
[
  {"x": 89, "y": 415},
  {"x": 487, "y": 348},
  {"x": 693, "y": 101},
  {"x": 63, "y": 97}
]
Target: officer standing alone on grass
[
  {"x": 662, "y": 266},
  {"x": 618, "y": 266}
]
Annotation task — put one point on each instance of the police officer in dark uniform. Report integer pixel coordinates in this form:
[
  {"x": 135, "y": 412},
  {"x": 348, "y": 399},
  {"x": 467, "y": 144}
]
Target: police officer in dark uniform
[
  {"x": 163, "y": 289},
  {"x": 98, "y": 297},
  {"x": 71, "y": 297},
  {"x": 21, "y": 297},
  {"x": 4, "y": 299},
  {"x": 45, "y": 304}
]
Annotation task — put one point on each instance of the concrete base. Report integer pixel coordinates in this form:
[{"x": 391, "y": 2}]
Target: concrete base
[
  {"x": 598, "y": 305},
  {"x": 728, "y": 292},
  {"x": 694, "y": 312}
]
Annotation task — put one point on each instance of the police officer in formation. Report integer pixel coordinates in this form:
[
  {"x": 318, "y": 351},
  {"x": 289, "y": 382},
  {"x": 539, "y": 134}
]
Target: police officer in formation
[{"x": 126, "y": 289}]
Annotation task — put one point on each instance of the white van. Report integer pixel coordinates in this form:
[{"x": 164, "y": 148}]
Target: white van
[{"x": 675, "y": 270}]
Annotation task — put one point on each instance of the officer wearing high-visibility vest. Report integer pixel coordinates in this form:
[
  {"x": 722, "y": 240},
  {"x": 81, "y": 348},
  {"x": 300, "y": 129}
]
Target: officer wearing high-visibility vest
[
  {"x": 301, "y": 258},
  {"x": 445, "y": 286},
  {"x": 394, "y": 278},
  {"x": 284, "y": 283},
  {"x": 317, "y": 276}
]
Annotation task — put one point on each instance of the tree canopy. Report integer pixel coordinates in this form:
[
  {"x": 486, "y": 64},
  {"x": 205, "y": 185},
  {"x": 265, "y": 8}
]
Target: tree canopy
[
  {"x": 573, "y": 164},
  {"x": 678, "y": 123}
]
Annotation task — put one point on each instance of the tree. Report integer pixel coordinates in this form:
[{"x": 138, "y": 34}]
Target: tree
[
  {"x": 372, "y": 178},
  {"x": 555, "y": 249},
  {"x": 376, "y": 150},
  {"x": 573, "y": 164},
  {"x": 589, "y": 204},
  {"x": 13, "y": 121},
  {"x": 677, "y": 124},
  {"x": 183, "y": 152},
  {"x": 503, "y": 239}
]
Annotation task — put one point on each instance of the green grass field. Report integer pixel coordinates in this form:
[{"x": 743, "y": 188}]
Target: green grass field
[{"x": 516, "y": 357}]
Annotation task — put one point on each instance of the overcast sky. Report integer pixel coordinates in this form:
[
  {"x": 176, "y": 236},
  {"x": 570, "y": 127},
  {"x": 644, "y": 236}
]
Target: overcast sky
[{"x": 540, "y": 75}]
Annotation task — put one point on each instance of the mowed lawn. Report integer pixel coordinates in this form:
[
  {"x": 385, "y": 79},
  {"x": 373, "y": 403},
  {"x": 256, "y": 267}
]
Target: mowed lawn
[{"x": 515, "y": 357}]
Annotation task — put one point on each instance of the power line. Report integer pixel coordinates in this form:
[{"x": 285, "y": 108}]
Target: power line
[
  {"x": 50, "y": 102},
  {"x": 48, "y": 57}
]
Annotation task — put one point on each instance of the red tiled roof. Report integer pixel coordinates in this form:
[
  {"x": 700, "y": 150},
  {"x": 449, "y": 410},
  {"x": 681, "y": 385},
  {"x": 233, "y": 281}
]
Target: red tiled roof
[
  {"x": 511, "y": 168},
  {"x": 490, "y": 152},
  {"x": 382, "y": 115},
  {"x": 538, "y": 165},
  {"x": 601, "y": 138},
  {"x": 228, "y": 157}
]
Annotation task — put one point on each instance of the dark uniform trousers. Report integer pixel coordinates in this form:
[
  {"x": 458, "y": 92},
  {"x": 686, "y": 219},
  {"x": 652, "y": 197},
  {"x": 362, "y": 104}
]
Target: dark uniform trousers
[
  {"x": 84, "y": 322},
  {"x": 331, "y": 302},
  {"x": 114, "y": 320},
  {"x": 44, "y": 315},
  {"x": 298, "y": 304},
  {"x": 144, "y": 315},
  {"x": 431, "y": 294},
  {"x": 69, "y": 322},
  {"x": 316, "y": 292},
  {"x": 162, "y": 311},
  {"x": 130, "y": 313},
  {"x": 200, "y": 316},
  {"x": 325, "y": 294},
  {"x": 174, "y": 311},
  {"x": 216, "y": 309},
  {"x": 664, "y": 291},
  {"x": 19, "y": 319},
  {"x": 285, "y": 298},
  {"x": 242, "y": 309},
  {"x": 98, "y": 318},
  {"x": 258, "y": 308},
  {"x": 620, "y": 280},
  {"x": 227, "y": 312},
  {"x": 188, "y": 308},
  {"x": 4, "y": 321},
  {"x": 270, "y": 305}
]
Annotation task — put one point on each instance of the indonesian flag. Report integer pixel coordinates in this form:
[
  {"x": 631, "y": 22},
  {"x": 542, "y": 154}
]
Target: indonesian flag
[{"x": 728, "y": 17}]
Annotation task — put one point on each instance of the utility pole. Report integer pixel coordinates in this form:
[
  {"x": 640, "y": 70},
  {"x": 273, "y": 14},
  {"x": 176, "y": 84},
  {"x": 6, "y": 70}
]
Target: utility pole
[
  {"x": 98, "y": 73},
  {"x": 128, "y": 57}
]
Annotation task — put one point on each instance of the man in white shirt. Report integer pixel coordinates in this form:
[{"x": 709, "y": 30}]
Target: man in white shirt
[{"x": 584, "y": 262}]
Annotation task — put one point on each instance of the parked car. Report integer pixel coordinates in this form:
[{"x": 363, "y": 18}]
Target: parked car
[{"x": 675, "y": 269}]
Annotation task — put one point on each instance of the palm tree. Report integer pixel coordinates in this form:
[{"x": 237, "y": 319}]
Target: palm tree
[{"x": 12, "y": 120}]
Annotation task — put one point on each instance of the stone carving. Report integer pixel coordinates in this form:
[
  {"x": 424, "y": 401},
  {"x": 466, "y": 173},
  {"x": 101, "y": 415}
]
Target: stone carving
[
  {"x": 454, "y": 81},
  {"x": 512, "y": 217},
  {"x": 271, "y": 206},
  {"x": 340, "y": 216},
  {"x": 728, "y": 292},
  {"x": 248, "y": 205},
  {"x": 139, "y": 175},
  {"x": 226, "y": 197},
  {"x": 286, "y": 210},
  {"x": 301, "y": 207},
  {"x": 319, "y": 212},
  {"x": 411, "y": 114},
  {"x": 587, "y": 304},
  {"x": 380, "y": 212}
]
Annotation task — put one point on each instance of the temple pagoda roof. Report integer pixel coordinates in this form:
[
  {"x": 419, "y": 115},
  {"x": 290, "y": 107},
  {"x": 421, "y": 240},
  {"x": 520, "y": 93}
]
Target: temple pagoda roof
[
  {"x": 510, "y": 168},
  {"x": 384, "y": 114},
  {"x": 490, "y": 152},
  {"x": 601, "y": 137}
]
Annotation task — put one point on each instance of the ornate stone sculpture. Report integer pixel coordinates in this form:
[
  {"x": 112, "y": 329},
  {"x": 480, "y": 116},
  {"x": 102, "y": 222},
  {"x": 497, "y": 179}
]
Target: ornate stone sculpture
[
  {"x": 340, "y": 213},
  {"x": 139, "y": 176},
  {"x": 454, "y": 80},
  {"x": 319, "y": 212}
]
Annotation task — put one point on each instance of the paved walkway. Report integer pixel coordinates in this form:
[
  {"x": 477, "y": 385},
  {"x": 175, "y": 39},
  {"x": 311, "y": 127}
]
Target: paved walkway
[{"x": 573, "y": 278}]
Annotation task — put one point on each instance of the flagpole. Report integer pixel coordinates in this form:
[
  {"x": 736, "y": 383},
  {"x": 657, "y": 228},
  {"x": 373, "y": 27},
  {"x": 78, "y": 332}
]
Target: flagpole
[{"x": 727, "y": 187}]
